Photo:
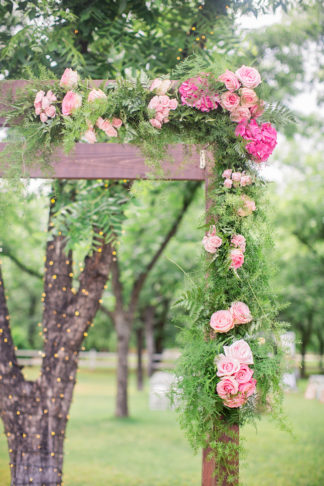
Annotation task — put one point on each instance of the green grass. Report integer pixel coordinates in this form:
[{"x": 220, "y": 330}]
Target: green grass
[{"x": 149, "y": 449}]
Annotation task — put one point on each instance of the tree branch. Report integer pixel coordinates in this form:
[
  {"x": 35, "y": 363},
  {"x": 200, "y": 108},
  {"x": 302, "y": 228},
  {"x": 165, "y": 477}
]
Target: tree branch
[
  {"x": 116, "y": 284},
  {"x": 6, "y": 252},
  {"x": 138, "y": 284},
  {"x": 107, "y": 312}
]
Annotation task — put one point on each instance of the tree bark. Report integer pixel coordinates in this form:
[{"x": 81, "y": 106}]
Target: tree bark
[
  {"x": 149, "y": 337},
  {"x": 123, "y": 330},
  {"x": 139, "y": 341}
]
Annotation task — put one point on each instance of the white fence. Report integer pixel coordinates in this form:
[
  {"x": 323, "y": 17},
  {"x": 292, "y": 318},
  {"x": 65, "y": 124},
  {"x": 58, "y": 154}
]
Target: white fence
[{"x": 94, "y": 359}]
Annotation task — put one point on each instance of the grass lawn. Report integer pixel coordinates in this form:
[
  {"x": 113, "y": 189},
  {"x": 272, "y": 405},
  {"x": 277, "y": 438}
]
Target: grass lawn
[{"x": 149, "y": 449}]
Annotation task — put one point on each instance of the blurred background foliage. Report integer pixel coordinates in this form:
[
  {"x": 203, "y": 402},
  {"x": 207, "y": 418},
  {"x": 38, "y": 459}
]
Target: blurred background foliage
[{"x": 104, "y": 39}]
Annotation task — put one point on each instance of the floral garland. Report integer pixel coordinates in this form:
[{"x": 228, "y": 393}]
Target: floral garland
[{"x": 232, "y": 311}]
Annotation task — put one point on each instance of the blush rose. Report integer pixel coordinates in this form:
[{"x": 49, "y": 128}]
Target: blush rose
[
  {"x": 226, "y": 366},
  {"x": 222, "y": 321},
  {"x": 249, "y": 76},
  {"x": 241, "y": 351},
  {"x": 71, "y": 102},
  {"x": 227, "y": 386},
  {"x": 241, "y": 313},
  {"x": 237, "y": 258}
]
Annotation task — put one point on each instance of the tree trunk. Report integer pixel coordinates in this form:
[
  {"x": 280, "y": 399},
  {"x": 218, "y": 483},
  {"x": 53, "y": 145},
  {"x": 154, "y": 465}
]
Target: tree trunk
[
  {"x": 321, "y": 349},
  {"x": 123, "y": 325},
  {"x": 149, "y": 337},
  {"x": 303, "y": 354},
  {"x": 139, "y": 339}
]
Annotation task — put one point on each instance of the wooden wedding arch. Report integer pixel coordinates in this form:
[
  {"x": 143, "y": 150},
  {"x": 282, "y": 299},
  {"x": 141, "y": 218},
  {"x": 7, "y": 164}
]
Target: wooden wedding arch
[{"x": 126, "y": 162}]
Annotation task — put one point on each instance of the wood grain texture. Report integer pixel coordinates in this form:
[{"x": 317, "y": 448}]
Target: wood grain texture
[{"x": 120, "y": 161}]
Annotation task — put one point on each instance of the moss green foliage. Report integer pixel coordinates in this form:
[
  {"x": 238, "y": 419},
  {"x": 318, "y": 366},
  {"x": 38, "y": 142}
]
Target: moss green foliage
[{"x": 202, "y": 412}]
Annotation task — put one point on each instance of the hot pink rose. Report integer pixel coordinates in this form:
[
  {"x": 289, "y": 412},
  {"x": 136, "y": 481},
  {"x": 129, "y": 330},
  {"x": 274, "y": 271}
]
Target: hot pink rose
[
  {"x": 227, "y": 173},
  {"x": 211, "y": 241},
  {"x": 116, "y": 122},
  {"x": 230, "y": 80},
  {"x": 244, "y": 374},
  {"x": 71, "y": 102},
  {"x": 69, "y": 79},
  {"x": 226, "y": 387},
  {"x": 241, "y": 313},
  {"x": 236, "y": 401},
  {"x": 229, "y": 100},
  {"x": 96, "y": 94},
  {"x": 90, "y": 136},
  {"x": 249, "y": 76},
  {"x": 247, "y": 389},
  {"x": 248, "y": 97},
  {"x": 222, "y": 321},
  {"x": 246, "y": 180},
  {"x": 241, "y": 351},
  {"x": 237, "y": 258},
  {"x": 248, "y": 207},
  {"x": 239, "y": 242},
  {"x": 196, "y": 92},
  {"x": 226, "y": 366},
  {"x": 236, "y": 176},
  {"x": 155, "y": 123},
  {"x": 240, "y": 114},
  {"x": 228, "y": 183},
  {"x": 160, "y": 86}
]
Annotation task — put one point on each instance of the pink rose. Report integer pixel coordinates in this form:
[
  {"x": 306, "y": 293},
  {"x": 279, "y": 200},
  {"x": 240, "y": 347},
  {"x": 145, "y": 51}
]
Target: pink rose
[
  {"x": 226, "y": 366},
  {"x": 240, "y": 114},
  {"x": 38, "y": 99},
  {"x": 249, "y": 76},
  {"x": 96, "y": 94},
  {"x": 155, "y": 123},
  {"x": 154, "y": 103},
  {"x": 43, "y": 106},
  {"x": 230, "y": 80},
  {"x": 50, "y": 111},
  {"x": 241, "y": 351},
  {"x": 246, "y": 180},
  {"x": 248, "y": 207},
  {"x": 239, "y": 242},
  {"x": 248, "y": 97},
  {"x": 237, "y": 258},
  {"x": 229, "y": 100},
  {"x": 226, "y": 387},
  {"x": 71, "y": 102},
  {"x": 90, "y": 136},
  {"x": 236, "y": 176},
  {"x": 116, "y": 122},
  {"x": 43, "y": 117},
  {"x": 211, "y": 241},
  {"x": 236, "y": 401},
  {"x": 228, "y": 183},
  {"x": 244, "y": 374},
  {"x": 173, "y": 104},
  {"x": 107, "y": 127},
  {"x": 241, "y": 313},
  {"x": 196, "y": 92},
  {"x": 227, "y": 173},
  {"x": 257, "y": 110},
  {"x": 160, "y": 86},
  {"x": 51, "y": 96},
  {"x": 164, "y": 100},
  {"x": 222, "y": 321},
  {"x": 69, "y": 79},
  {"x": 247, "y": 389}
]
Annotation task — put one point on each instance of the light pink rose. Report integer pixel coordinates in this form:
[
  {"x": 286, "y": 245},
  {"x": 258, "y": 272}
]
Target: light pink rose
[
  {"x": 246, "y": 180},
  {"x": 96, "y": 94},
  {"x": 226, "y": 366},
  {"x": 230, "y": 80},
  {"x": 237, "y": 258},
  {"x": 248, "y": 97},
  {"x": 173, "y": 104},
  {"x": 222, "y": 321},
  {"x": 247, "y": 389},
  {"x": 38, "y": 98},
  {"x": 240, "y": 114},
  {"x": 50, "y": 111},
  {"x": 90, "y": 136},
  {"x": 155, "y": 123},
  {"x": 71, "y": 102},
  {"x": 227, "y": 173},
  {"x": 236, "y": 401},
  {"x": 43, "y": 117},
  {"x": 159, "y": 117},
  {"x": 164, "y": 100},
  {"x": 244, "y": 374},
  {"x": 107, "y": 127},
  {"x": 248, "y": 207},
  {"x": 111, "y": 131},
  {"x": 239, "y": 242},
  {"x": 211, "y": 241},
  {"x": 249, "y": 76},
  {"x": 241, "y": 313},
  {"x": 257, "y": 110},
  {"x": 241, "y": 351},
  {"x": 236, "y": 176},
  {"x": 160, "y": 86},
  {"x": 228, "y": 183},
  {"x": 154, "y": 103},
  {"x": 43, "y": 106},
  {"x": 69, "y": 78},
  {"x": 226, "y": 387},
  {"x": 116, "y": 122},
  {"x": 229, "y": 100},
  {"x": 51, "y": 96}
]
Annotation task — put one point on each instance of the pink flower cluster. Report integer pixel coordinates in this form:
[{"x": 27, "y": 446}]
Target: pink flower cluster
[
  {"x": 224, "y": 320},
  {"x": 196, "y": 92},
  {"x": 161, "y": 106},
  {"x": 211, "y": 241},
  {"x": 262, "y": 139},
  {"x": 43, "y": 105},
  {"x": 236, "y": 384},
  {"x": 246, "y": 103},
  {"x": 160, "y": 87},
  {"x": 238, "y": 178},
  {"x": 248, "y": 206},
  {"x": 69, "y": 79},
  {"x": 71, "y": 102},
  {"x": 237, "y": 254}
]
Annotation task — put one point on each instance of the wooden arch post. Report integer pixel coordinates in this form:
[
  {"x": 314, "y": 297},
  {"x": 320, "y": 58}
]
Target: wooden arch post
[{"x": 123, "y": 161}]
